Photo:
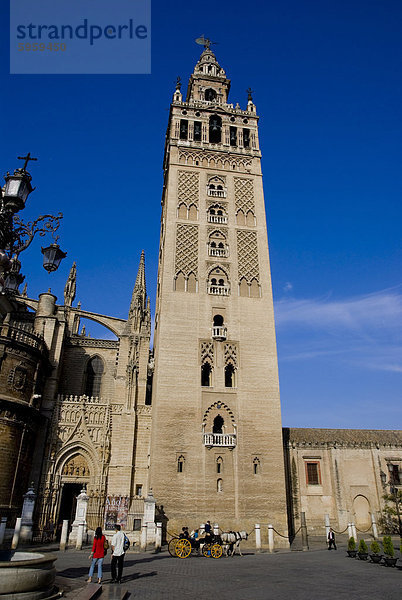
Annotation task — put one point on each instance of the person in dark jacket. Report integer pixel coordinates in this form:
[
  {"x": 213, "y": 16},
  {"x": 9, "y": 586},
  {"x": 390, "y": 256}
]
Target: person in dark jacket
[{"x": 331, "y": 539}]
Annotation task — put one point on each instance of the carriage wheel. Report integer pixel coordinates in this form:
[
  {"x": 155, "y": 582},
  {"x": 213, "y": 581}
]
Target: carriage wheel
[
  {"x": 206, "y": 550},
  {"x": 183, "y": 548},
  {"x": 216, "y": 551},
  {"x": 172, "y": 547}
]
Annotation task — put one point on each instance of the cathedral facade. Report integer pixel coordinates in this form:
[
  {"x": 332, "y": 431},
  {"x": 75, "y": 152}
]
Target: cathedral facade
[{"x": 196, "y": 422}]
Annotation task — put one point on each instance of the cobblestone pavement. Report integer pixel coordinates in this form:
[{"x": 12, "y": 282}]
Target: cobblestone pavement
[{"x": 313, "y": 575}]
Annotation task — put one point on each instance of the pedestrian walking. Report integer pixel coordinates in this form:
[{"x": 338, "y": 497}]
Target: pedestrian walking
[
  {"x": 117, "y": 555},
  {"x": 331, "y": 539},
  {"x": 99, "y": 548}
]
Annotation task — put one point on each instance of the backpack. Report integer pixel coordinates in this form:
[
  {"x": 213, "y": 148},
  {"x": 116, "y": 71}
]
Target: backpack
[{"x": 126, "y": 543}]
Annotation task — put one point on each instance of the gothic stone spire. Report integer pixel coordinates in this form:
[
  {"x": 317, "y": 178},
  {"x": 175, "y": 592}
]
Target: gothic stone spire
[
  {"x": 139, "y": 297},
  {"x": 70, "y": 287}
]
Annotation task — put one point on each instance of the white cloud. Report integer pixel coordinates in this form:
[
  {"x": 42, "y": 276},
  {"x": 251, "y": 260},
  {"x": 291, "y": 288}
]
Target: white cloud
[
  {"x": 288, "y": 287},
  {"x": 365, "y": 331}
]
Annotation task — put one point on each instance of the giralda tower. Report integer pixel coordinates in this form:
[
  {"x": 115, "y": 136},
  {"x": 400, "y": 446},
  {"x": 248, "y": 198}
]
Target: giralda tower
[{"x": 216, "y": 450}]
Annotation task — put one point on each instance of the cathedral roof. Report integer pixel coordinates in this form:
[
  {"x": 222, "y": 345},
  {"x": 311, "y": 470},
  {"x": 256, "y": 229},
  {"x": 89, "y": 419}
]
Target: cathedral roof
[{"x": 342, "y": 437}]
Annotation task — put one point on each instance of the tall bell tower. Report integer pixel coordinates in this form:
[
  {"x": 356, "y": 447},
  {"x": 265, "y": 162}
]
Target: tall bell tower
[{"x": 216, "y": 450}]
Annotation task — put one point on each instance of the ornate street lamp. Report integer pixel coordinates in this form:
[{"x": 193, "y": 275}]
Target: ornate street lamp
[
  {"x": 16, "y": 236},
  {"x": 16, "y": 190},
  {"x": 13, "y": 278},
  {"x": 52, "y": 256}
]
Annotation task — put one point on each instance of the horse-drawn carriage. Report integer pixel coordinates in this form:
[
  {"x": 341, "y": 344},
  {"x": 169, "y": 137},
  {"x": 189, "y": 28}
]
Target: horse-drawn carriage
[
  {"x": 213, "y": 546},
  {"x": 183, "y": 547}
]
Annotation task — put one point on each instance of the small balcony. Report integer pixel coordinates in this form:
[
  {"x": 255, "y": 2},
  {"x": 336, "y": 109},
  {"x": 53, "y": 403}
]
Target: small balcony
[
  {"x": 218, "y": 252},
  {"x": 222, "y": 440},
  {"x": 219, "y": 219},
  {"x": 219, "y": 290},
  {"x": 216, "y": 193},
  {"x": 219, "y": 333}
]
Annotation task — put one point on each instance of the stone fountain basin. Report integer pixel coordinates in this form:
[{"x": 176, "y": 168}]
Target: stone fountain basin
[{"x": 27, "y": 576}]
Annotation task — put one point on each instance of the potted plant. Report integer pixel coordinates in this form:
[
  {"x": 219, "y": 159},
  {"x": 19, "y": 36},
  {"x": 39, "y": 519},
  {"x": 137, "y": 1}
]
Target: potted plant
[
  {"x": 363, "y": 550},
  {"x": 352, "y": 547},
  {"x": 375, "y": 549},
  {"x": 388, "y": 546}
]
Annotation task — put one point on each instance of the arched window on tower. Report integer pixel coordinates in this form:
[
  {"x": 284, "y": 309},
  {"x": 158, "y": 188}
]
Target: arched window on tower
[
  {"x": 206, "y": 375},
  {"x": 93, "y": 376},
  {"x": 256, "y": 466},
  {"x": 215, "y": 129},
  {"x": 210, "y": 94},
  {"x": 183, "y": 129},
  {"x": 219, "y": 464},
  {"x": 180, "y": 464},
  {"x": 229, "y": 376},
  {"x": 219, "y": 485},
  {"x": 217, "y": 427}
]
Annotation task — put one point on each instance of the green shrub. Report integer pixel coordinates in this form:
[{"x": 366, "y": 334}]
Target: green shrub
[
  {"x": 375, "y": 547},
  {"x": 363, "y": 547},
  {"x": 351, "y": 543},
  {"x": 388, "y": 546}
]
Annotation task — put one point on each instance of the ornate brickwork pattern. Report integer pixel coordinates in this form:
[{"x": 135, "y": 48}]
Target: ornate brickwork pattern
[
  {"x": 187, "y": 249},
  {"x": 207, "y": 353},
  {"x": 230, "y": 354},
  {"x": 244, "y": 194},
  {"x": 188, "y": 185},
  {"x": 247, "y": 255},
  {"x": 213, "y": 160}
]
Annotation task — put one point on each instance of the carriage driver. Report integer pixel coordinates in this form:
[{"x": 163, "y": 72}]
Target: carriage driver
[{"x": 208, "y": 532}]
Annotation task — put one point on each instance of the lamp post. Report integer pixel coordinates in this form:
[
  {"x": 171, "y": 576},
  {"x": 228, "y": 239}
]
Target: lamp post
[{"x": 16, "y": 235}]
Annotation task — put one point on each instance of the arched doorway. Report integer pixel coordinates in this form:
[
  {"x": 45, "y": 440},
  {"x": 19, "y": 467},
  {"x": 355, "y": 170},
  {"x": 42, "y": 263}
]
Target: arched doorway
[
  {"x": 361, "y": 508},
  {"x": 75, "y": 475}
]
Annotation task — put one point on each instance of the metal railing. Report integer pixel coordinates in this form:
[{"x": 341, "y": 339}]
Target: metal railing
[
  {"x": 223, "y": 440},
  {"x": 219, "y": 332},
  {"x": 217, "y": 252},
  {"x": 219, "y": 290},
  {"x": 220, "y": 219},
  {"x": 216, "y": 193}
]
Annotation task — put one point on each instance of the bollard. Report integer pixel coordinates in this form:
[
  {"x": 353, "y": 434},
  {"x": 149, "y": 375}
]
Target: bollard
[
  {"x": 64, "y": 534},
  {"x": 327, "y": 526},
  {"x": 271, "y": 538},
  {"x": 3, "y": 526},
  {"x": 80, "y": 536},
  {"x": 16, "y": 536},
  {"x": 304, "y": 531},
  {"x": 216, "y": 529},
  {"x": 257, "y": 530},
  {"x": 354, "y": 532},
  {"x": 143, "y": 538},
  {"x": 374, "y": 526},
  {"x": 158, "y": 537},
  {"x": 350, "y": 532}
]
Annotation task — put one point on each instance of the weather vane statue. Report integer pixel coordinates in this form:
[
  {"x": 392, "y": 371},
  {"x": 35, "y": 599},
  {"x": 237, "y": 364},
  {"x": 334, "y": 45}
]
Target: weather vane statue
[{"x": 203, "y": 41}]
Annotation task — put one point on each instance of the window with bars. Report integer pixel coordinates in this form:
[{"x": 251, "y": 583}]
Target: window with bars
[{"x": 313, "y": 475}]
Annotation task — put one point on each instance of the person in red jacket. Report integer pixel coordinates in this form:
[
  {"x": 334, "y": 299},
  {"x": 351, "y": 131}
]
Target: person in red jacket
[{"x": 98, "y": 554}]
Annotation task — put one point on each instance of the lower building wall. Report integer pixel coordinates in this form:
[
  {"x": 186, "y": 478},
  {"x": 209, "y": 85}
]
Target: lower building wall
[{"x": 340, "y": 473}]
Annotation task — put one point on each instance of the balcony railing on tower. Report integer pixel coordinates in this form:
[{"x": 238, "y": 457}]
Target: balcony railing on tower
[
  {"x": 216, "y": 193},
  {"x": 219, "y": 332},
  {"x": 219, "y": 290},
  {"x": 220, "y": 219},
  {"x": 223, "y": 440},
  {"x": 217, "y": 252}
]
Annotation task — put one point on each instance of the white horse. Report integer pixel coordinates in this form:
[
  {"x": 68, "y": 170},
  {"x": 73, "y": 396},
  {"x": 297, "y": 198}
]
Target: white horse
[{"x": 231, "y": 541}]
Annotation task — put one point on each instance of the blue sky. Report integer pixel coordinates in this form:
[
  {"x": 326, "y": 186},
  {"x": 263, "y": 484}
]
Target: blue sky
[{"x": 327, "y": 82}]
